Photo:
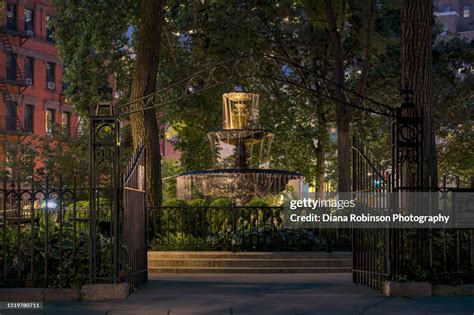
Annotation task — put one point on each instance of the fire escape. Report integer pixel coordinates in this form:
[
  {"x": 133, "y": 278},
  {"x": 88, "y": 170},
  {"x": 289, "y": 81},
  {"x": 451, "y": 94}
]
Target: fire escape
[{"x": 11, "y": 78}]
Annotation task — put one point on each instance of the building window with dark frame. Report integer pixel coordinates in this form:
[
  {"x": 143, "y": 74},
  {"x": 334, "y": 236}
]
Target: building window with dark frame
[
  {"x": 29, "y": 118},
  {"x": 49, "y": 29},
  {"x": 447, "y": 8},
  {"x": 11, "y": 116},
  {"x": 29, "y": 70},
  {"x": 11, "y": 16},
  {"x": 50, "y": 113},
  {"x": 466, "y": 12},
  {"x": 29, "y": 22},
  {"x": 11, "y": 67},
  {"x": 50, "y": 75},
  {"x": 66, "y": 122}
]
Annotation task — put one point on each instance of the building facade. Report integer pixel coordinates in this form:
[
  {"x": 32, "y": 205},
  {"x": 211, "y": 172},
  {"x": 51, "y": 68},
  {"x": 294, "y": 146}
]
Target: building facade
[
  {"x": 31, "y": 84},
  {"x": 457, "y": 16}
]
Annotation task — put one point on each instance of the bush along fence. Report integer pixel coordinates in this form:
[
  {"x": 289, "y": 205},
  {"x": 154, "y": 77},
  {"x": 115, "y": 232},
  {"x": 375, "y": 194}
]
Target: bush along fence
[
  {"x": 44, "y": 235},
  {"x": 245, "y": 228}
]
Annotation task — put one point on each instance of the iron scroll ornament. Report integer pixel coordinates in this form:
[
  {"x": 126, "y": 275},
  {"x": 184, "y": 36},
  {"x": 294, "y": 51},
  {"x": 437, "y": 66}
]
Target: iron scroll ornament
[{"x": 266, "y": 66}]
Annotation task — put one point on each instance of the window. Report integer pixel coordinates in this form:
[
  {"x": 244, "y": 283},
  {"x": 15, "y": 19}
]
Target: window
[
  {"x": 11, "y": 16},
  {"x": 49, "y": 28},
  {"x": 29, "y": 118},
  {"x": 466, "y": 11},
  {"x": 29, "y": 22},
  {"x": 11, "y": 67},
  {"x": 49, "y": 120},
  {"x": 447, "y": 8},
  {"x": 50, "y": 75},
  {"x": 11, "y": 116},
  {"x": 29, "y": 70},
  {"x": 66, "y": 121}
]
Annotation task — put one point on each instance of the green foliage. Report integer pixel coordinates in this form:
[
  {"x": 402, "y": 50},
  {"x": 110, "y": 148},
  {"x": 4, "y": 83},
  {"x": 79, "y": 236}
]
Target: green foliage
[
  {"x": 92, "y": 41},
  {"x": 198, "y": 203},
  {"x": 257, "y": 202},
  {"x": 169, "y": 169},
  {"x": 67, "y": 262},
  {"x": 175, "y": 202},
  {"x": 221, "y": 202},
  {"x": 240, "y": 229},
  {"x": 173, "y": 217}
]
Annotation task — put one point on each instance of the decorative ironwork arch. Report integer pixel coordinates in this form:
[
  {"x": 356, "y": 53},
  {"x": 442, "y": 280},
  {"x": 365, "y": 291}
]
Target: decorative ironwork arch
[{"x": 276, "y": 68}]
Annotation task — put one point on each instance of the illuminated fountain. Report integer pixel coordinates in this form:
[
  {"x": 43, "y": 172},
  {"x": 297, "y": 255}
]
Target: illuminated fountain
[{"x": 241, "y": 153}]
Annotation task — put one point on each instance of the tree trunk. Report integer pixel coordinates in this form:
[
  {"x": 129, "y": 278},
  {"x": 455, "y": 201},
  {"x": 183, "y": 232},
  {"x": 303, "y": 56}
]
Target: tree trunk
[
  {"x": 144, "y": 124},
  {"x": 320, "y": 151},
  {"x": 416, "y": 61},
  {"x": 320, "y": 182},
  {"x": 343, "y": 112}
]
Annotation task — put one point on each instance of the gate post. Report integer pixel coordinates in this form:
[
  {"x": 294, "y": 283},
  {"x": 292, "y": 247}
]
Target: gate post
[
  {"x": 104, "y": 187},
  {"x": 407, "y": 146},
  {"x": 407, "y": 170}
]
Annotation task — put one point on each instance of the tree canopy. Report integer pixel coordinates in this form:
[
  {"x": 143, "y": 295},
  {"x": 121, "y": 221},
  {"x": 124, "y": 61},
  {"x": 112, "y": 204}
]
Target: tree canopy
[{"x": 95, "y": 44}]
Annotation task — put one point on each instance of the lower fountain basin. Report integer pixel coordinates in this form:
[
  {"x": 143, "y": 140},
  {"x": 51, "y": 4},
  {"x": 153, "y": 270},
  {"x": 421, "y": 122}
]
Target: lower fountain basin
[{"x": 239, "y": 185}]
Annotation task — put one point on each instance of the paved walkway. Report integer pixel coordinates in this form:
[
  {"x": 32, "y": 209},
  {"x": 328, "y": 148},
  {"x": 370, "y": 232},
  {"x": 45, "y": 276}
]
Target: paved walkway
[{"x": 274, "y": 294}]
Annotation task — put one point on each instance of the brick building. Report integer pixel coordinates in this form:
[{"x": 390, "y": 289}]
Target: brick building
[
  {"x": 31, "y": 87},
  {"x": 457, "y": 16}
]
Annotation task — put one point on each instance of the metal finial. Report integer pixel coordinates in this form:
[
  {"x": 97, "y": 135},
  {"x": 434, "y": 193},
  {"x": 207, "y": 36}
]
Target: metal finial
[{"x": 104, "y": 109}]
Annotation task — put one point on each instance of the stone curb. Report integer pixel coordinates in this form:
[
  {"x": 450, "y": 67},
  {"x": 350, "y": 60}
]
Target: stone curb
[
  {"x": 38, "y": 294},
  {"x": 445, "y": 290},
  {"x": 104, "y": 291},
  {"x": 394, "y": 288},
  {"x": 89, "y": 292}
]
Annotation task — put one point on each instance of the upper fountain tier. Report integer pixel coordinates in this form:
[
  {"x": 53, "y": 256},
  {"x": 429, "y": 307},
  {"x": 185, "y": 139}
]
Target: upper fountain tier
[
  {"x": 241, "y": 143},
  {"x": 240, "y": 110}
]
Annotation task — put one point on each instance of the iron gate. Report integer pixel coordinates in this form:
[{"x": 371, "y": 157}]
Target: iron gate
[
  {"x": 381, "y": 254},
  {"x": 134, "y": 220},
  {"x": 377, "y": 251},
  {"x": 370, "y": 250}
]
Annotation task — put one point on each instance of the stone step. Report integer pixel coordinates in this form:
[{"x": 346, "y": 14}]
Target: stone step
[
  {"x": 240, "y": 262},
  {"x": 249, "y": 262},
  {"x": 249, "y": 270},
  {"x": 246, "y": 255}
]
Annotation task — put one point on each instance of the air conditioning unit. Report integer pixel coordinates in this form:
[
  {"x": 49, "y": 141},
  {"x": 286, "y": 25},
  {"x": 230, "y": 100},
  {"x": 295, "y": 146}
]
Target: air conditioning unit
[
  {"x": 30, "y": 33},
  {"x": 29, "y": 81},
  {"x": 51, "y": 85}
]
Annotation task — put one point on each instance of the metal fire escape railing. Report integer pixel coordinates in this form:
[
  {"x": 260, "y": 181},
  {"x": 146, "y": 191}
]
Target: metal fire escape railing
[
  {"x": 271, "y": 67},
  {"x": 19, "y": 81}
]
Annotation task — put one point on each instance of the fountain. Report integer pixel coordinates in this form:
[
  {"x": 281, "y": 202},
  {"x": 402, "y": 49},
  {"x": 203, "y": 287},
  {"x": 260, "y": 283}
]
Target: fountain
[{"x": 241, "y": 152}]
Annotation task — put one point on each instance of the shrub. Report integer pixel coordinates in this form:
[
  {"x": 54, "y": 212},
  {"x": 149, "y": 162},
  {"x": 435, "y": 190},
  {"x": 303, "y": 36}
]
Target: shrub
[
  {"x": 173, "y": 220},
  {"x": 175, "y": 202},
  {"x": 198, "y": 203},
  {"x": 257, "y": 202},
  {"x": 222, "y": 202}
]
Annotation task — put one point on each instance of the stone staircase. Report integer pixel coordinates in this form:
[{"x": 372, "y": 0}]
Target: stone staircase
[{"x": 249, "y": 262}]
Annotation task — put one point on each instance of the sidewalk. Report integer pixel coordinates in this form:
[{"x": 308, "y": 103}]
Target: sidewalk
[{"x": 274, "y": 294}]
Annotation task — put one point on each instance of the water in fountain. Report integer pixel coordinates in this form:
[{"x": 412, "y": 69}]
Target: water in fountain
[{"x": 241, "y": 153}]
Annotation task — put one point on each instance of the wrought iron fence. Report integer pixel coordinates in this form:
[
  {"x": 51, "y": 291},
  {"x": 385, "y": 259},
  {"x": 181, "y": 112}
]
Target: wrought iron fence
[
  {"x": 437, "y": 255},
  {"x": 238, "y": 229},
  {"x": 45, "y": 235}
]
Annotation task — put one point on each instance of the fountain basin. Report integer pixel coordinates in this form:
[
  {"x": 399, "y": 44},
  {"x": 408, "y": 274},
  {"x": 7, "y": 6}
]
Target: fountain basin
[
  {"x": 236, "y": 184},
  {"x": 233, "y": 136}
]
